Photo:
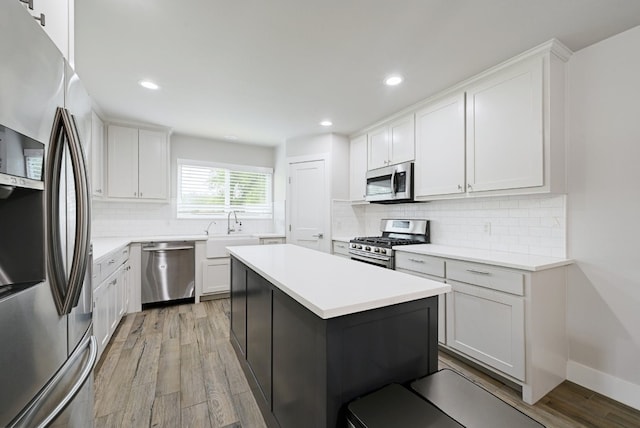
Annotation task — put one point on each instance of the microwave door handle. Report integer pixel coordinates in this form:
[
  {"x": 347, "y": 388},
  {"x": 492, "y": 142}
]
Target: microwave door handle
[{"x": 393, "y": 183}]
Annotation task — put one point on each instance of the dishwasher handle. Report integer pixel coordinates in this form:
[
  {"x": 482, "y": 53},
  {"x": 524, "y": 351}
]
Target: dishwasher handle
[{"x": 163, "y": 249}]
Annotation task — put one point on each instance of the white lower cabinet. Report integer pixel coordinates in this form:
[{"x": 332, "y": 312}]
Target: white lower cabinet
[
  {"x": 510, "y": 321},
  {"x": 340, "y": 248},
  {"x": 487, "y": 325},
  {"x": 217, "y": 275},
  {"x": 111, "y": 295}
]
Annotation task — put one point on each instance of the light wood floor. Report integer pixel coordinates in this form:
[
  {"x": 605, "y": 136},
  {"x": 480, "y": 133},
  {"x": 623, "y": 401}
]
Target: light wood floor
[{"x": 174, "y": 367}]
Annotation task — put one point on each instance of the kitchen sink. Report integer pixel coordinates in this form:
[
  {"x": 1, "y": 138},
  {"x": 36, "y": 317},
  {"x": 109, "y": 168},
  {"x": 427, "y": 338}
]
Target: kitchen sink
[{"x": 217, "y": 244}]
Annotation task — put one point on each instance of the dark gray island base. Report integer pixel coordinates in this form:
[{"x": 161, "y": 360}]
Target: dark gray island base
[{"x": 303, "y": 370}]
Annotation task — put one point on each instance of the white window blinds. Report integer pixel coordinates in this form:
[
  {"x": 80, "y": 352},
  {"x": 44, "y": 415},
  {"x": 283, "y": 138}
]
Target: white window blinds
[{"x": 212, "y": 190}]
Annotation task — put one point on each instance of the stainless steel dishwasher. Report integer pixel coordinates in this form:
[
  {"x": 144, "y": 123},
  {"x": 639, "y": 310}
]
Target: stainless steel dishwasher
[{"x": 168, "y": 271}]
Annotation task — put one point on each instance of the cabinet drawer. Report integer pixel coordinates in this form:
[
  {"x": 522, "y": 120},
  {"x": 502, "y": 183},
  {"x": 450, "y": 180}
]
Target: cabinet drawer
[
  {"x": 486, "y": 276},
  {"x": 340, "y": 247},
  {"x": 420, "y": 263},
  {"x": 109, "y": 263},
  {"x": 271, "y": 241}
]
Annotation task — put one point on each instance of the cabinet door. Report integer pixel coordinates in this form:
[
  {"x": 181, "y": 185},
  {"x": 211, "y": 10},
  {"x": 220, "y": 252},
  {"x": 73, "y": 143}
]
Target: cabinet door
[
  {"x": 114, "y": 303},
  {"x": 97, "y": 155},
  {"x": 122, "y": 169},
  {"x": 259, "y": 331},
  {"x": 440, "y": 148},
  {"x": 101, "y": 316},
  {"x": 505, "y": 129},
  {"x": 216, "y": 275},
  {"x": 152, "y": 164},
  {"x": 56, "y": 26},
  {"x": 487, "y": 325},
  {"x": 358, "y": 168},
  {"x": 402, "y": 140},
  {"x": 239, "y": 304},
  {"x": 378, "y": 148}
]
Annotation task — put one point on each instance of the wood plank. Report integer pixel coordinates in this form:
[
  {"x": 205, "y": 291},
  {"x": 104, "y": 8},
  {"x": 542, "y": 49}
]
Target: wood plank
[
  {"x": 232, "y": 370},
  {"x": 147, "y": 366},
  {"x": 187, "y": 328},
  {"x": 115, "y": 394},
  {"x": 104, "y": 371},
  {"x": 248, "y": 410},
  {"x": 166, "y": 412},
  {"x": 136, "y": 330},
  {"x": 205, "y": 335},
  {"x": 138, "y": 410},
  {"x": 122, "y": 332},
  {"x": 196, "y": 416},
  {"x": 200, "y": 310},
  {"x": 191, "y": 376},
  {"x": 171, "y": 327},
  {"x": 112, "y": 420},
  {"x": 219, "y": 397},
  {"x": 153, "y": 322},
  {"x": 168, "y": 380}
]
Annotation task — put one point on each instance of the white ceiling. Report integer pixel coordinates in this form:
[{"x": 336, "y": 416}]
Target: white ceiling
[{"x": 269, "y": 70}]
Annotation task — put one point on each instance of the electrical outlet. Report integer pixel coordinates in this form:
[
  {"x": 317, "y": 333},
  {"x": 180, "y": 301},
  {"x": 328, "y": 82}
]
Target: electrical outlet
[{"x": 487, "y": 228}]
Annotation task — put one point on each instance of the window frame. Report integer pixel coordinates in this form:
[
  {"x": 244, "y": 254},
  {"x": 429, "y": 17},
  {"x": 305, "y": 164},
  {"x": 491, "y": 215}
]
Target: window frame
[{"x": 226, "y": 208}]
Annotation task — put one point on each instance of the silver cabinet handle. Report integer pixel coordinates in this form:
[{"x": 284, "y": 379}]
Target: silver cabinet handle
[
  {"x": 469, "y": 187},
  {"x": 28, "y": 3},
  {"x": 459, "y": 187},
  {"x": 40, "y": 18},
  {"x": 416, "y": 260},
  {"x": 319, "y": 235},
  {"x": 479, "y": 272}
]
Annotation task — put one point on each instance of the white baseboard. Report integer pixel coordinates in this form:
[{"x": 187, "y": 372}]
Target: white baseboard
[{"x": 618, "y": 389}]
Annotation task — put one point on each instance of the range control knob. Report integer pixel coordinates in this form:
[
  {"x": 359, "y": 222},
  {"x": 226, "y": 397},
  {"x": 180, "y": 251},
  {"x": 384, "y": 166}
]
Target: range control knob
[
  {"x": 359, "y": 247},
  {"x": 383, "y": 251},
  {"x": 353, "y": 245},
  {"x": 376, "y": 250},
  {"x": 367, "y": 248}
]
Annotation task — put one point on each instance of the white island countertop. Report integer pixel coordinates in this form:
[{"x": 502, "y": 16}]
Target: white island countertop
[
  {"x": 527, "y": 262},
  {"x": 331, "y": 286}
]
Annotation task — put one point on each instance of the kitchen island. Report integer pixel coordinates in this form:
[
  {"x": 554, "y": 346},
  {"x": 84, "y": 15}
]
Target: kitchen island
[{"x": 313, "y": 331}]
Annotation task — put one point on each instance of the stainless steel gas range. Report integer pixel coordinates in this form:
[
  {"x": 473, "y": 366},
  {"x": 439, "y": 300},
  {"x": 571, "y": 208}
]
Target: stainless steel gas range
[{"x": 377, "y": 250}]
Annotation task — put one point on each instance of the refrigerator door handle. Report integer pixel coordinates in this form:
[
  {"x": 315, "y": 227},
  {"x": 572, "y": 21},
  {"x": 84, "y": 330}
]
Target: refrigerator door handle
[
  {"x": 66, "y": 292},
  {"x": 26, "y": 417}
]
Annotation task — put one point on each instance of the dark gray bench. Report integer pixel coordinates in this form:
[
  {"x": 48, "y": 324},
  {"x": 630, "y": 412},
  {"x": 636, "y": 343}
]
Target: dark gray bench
[{"x": 443, "y": 399}]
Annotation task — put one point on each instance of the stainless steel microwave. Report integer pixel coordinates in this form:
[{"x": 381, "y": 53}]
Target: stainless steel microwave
[{"x": 390, "y": 184}]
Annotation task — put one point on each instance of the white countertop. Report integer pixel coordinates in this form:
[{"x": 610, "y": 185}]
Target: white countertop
[
  {"x": 499, "y": 258},
  {"x": 106, "y": 245},
  {"x": 332, "y": 286}
]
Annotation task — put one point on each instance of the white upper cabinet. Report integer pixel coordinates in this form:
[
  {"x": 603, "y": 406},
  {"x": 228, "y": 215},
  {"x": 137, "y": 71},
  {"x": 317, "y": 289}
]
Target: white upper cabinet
[
  {"x": 505, "y": 135},
  {"x": 97, "y": 156},
  {"x": 440, "y": 148},
  {"x": 152, "y": 164},
  {"x": 55, "y": 18},
  {"x": 357, "y": 168},
  {"x": 392, "y": 143},
  {"x": 137, "y": 163}
]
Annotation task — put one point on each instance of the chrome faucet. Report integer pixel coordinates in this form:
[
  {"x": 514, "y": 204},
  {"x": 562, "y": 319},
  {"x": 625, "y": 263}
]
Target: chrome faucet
[
  {"x": 206, "y": 231},
  {"x": 229, "y": 228}
]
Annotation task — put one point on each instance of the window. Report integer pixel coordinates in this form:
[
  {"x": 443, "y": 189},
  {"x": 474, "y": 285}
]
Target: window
[{"x": 212, "y": 190}]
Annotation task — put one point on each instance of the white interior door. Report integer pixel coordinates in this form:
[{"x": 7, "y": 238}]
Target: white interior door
[{"x": 308, "y": 220}]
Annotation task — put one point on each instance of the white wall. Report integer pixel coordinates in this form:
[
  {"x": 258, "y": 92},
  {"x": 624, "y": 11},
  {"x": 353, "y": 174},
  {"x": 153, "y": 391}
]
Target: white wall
[
  {"x": 533, "y": 224},
  {"x": 139, "y": 219},
  {"x": 603, "y": 211}
]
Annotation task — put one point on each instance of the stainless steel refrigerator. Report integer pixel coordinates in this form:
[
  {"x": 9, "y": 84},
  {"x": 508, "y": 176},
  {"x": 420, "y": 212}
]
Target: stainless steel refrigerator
[{"x": 47, "y": 348}]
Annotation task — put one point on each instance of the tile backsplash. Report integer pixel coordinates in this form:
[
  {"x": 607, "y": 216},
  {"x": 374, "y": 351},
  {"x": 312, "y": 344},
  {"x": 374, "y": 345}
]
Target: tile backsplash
[
  {"x": 521, "y": 224},
  {"x": 145, "y": 219}
]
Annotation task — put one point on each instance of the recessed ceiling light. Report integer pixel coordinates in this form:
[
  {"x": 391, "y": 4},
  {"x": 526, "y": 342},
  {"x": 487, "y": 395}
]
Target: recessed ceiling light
[
  {"x": 326, "y": 123},
  {"x": 149, "y": 84},
  {"x": 393, "y": 80}
]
